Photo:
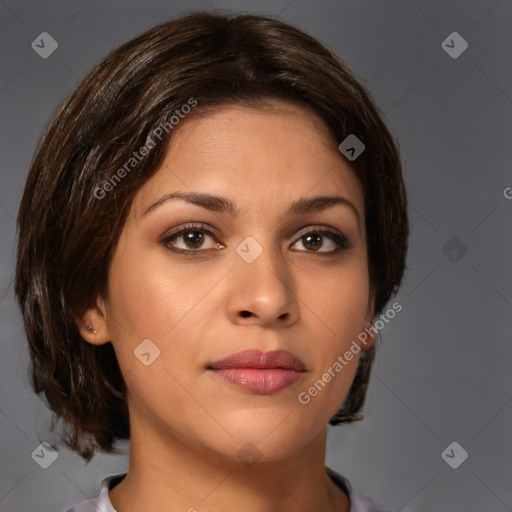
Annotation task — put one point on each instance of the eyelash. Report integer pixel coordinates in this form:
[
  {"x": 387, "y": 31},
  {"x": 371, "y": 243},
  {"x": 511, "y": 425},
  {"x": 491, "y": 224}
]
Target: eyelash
[{"x": 339, "y": 239}]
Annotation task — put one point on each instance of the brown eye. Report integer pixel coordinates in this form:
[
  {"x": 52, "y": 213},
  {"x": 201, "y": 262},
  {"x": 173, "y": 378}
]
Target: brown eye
[
  {"x": 193, "y": 239},
  {"x": 322, "y": 241},
  {"x": 313, "y": 242}
]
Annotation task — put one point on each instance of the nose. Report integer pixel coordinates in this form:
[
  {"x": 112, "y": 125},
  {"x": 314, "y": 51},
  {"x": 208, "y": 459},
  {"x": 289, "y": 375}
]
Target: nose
[{"x": 262, "y": 292}]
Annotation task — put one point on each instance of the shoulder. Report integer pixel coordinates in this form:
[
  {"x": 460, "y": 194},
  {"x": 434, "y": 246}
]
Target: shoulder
[
  {"x": 102, "y": 502},
  {"x": 358, "y": 503}
]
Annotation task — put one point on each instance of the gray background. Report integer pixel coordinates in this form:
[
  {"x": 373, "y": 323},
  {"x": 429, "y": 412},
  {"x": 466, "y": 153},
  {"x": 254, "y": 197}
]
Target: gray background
[{"x": 443, "y": 367}]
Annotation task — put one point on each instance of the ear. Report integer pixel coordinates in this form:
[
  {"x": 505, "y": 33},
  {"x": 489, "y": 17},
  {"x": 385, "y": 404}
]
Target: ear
[
  {"x": 369, "y": 328},
  {"x": 92, "y": 323}
]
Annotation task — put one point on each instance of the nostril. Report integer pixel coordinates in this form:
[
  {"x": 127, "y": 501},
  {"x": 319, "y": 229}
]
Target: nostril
[{"x": 245, "y": 314}]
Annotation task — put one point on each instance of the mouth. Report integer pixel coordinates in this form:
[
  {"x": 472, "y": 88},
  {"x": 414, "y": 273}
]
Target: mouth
[{"x": 262, "y": 373}]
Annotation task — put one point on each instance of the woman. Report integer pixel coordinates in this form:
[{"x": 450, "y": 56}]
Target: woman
[{"x": 210, "y": 226}]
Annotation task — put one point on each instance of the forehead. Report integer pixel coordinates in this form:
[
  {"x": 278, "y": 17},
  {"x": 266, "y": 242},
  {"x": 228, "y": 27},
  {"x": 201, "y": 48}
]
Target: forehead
[{"x": 253, "y": 155}]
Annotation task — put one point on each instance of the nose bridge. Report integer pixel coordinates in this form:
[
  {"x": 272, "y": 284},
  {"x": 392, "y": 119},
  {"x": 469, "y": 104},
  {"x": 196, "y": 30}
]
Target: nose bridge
[{"x": 263, "y": 290}]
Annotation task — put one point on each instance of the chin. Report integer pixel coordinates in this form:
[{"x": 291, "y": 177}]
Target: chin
[{"x": 267, "y": 437}]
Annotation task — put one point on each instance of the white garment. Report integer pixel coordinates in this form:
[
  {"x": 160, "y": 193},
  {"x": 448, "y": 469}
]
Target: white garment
[{"x": 102, "y": 503}]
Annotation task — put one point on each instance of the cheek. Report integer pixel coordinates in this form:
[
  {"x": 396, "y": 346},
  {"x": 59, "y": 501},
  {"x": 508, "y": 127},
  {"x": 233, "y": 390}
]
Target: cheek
[
  {"x": 149, "y": 294},
  {"x": 338, "y": 297},
  {"x": 153, "y": 298},
  {"x": 338, "y": 307},
  {"x": 155, "y": 329}
]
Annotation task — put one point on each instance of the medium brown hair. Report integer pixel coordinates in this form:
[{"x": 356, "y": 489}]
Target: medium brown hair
[{"x": 67, "y": 232}]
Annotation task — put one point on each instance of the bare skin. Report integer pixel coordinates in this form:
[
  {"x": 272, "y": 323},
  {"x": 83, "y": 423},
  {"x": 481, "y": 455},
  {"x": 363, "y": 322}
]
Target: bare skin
[{"x": 307, "y": 295}]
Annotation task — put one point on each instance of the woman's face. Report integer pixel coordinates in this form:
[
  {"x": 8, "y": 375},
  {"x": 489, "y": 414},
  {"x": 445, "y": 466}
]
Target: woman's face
[{"x": 267, "y": 269}]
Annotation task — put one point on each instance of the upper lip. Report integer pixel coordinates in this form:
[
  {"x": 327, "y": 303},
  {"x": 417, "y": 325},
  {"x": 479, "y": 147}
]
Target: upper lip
[{"x": 252, "y": 358}]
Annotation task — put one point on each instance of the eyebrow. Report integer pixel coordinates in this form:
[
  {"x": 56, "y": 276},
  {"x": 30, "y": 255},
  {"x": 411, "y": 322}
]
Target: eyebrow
[{"x": 226, "y": 206}]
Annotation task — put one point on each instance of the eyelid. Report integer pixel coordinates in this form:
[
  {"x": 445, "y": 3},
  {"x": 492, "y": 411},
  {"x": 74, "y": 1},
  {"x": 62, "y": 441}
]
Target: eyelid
[
  {"x": 316, "y": 228},
  {"x": 190, "y": 226}
]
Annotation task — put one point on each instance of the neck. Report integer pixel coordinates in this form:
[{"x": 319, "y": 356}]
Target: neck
[{"x": 169, "y": 474}]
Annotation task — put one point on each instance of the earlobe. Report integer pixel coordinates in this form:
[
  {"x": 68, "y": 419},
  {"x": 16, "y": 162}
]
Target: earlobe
[
  {"x": 92, "y": 324},
  {"x": 370, "y": 331}
]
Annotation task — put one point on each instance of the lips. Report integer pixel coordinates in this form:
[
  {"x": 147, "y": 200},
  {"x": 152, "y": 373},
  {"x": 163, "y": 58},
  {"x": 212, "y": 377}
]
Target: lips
[{"x": 262, "y": 373}]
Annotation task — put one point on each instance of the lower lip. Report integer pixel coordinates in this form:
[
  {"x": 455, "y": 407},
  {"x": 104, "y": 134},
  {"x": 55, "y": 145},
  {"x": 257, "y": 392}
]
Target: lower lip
[{"x": 259, "y": 380}]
